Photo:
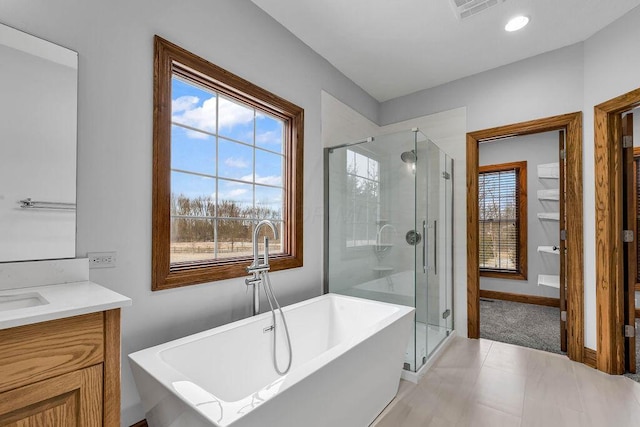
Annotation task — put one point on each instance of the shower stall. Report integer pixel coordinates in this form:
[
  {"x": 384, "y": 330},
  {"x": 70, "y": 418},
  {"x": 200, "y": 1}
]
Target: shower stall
[{"x": 388, "y": 231}]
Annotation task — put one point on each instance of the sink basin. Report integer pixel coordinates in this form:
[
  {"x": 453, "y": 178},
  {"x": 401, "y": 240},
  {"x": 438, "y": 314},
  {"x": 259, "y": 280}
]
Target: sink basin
[{"x": 23, "y": 300}]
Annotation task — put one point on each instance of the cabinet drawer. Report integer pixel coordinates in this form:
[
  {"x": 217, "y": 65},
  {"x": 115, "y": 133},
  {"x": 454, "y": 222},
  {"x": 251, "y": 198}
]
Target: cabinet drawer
[{"x": 36, "y": 352}]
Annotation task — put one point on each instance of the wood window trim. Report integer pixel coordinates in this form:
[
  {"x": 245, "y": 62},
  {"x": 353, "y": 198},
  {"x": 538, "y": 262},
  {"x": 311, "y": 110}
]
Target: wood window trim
[
  {"x": 167, "y": 58},
  {"x": 521, "y": 168},
  {"x": 572, "y": 124}
]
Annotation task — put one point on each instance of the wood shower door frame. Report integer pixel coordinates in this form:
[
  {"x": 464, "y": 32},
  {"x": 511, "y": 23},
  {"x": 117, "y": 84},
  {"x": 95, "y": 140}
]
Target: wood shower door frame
[{"x": 572, "y": 125}]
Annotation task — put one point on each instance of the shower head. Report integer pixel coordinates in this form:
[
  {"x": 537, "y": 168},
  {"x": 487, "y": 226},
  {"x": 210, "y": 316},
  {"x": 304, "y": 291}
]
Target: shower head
[{"x": 409, "y": 157}]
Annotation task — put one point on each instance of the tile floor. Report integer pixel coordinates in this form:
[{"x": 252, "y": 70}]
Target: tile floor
[{"x": 486, "y": 383}]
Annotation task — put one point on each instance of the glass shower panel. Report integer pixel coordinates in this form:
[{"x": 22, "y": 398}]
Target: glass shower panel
[
  {"x": 423, "y": 223},
  {"x": 439, "y": 311},
  {"x": 370, "y": 216},
  {"x": 388, "y": 230}
]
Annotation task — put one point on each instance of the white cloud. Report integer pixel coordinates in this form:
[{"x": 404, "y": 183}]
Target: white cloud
[
  {"x": 267, "y": 180},
  {"x": 269, "y": 137},
  {"x": 183, "y": 103},
  {"x": 232, "y": 114},
  {"x": 186, "y": 112},
  {"x": 236, "y": 163}
]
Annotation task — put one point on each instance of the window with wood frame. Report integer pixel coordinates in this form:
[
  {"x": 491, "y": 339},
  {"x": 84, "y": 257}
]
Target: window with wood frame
[
  {"x": 227, "y": 154},
  {"x": 502, "y": 199}
]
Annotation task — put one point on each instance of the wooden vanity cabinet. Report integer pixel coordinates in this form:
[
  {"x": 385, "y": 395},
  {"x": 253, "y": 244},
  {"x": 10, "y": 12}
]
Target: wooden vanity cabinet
[{"x": 63, "y": 372}]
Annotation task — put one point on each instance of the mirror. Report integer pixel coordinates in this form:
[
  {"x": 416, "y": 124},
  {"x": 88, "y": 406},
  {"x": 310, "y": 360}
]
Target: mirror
[{"x": 38, "y": 127}]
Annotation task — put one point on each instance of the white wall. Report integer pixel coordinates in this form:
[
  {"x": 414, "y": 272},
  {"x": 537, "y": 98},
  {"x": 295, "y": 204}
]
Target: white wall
[
  {"x": 114, "y": 40},
  {"x": 536, "y": 149},
  {"x": 541, "y": 86}
]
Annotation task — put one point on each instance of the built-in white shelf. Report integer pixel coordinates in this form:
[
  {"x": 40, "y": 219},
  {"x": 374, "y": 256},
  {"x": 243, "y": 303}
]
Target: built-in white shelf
[
  {"x": 551, "y": 280},
  {"x": 382, "y": 268},
  {"x": 549, "y": 216},
  {"x": 549, "y": 170},
  {"x": 549, "y": 249},
  {"x": 550, "y": 194}
]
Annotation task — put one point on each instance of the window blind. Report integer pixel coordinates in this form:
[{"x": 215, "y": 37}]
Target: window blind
[{"x": 498, "y": 198}]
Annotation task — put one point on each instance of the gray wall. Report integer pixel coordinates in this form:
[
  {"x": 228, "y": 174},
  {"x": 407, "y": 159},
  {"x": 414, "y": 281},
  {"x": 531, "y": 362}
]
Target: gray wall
[
  {"x": 114, "y": 40},
  {"x": 541, "y": 86},
  {"x": 535, "y": 149}
]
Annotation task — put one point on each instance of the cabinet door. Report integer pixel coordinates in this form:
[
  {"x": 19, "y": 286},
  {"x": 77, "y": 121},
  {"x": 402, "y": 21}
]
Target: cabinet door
[{"x": 73, "y": 399}]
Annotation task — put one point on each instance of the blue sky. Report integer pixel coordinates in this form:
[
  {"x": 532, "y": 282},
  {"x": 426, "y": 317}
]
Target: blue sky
[{"x": 195, "y": 151}]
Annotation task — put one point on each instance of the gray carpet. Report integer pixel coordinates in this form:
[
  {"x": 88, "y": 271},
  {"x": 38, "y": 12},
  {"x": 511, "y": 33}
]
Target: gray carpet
[
  {"x": 636, "y": 376},
  {"x": 527, "y": 325}
]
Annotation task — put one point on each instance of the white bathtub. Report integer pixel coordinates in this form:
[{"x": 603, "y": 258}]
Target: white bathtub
[{"x": 347, "y": 360}]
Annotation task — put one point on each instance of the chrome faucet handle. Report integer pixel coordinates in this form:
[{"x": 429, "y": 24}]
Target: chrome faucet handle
[{"x": 252, "y": 280}]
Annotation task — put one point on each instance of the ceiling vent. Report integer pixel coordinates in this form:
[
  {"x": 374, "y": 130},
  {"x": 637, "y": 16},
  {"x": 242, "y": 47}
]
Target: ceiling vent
[{"x": 467, "y": 8}]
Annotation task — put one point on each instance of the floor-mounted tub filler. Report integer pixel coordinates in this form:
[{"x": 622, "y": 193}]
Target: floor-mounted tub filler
[{"x": 348, "y": 355}]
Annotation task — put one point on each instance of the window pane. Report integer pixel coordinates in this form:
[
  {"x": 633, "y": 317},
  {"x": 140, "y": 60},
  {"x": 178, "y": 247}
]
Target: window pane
[
  {"x": 236, "y": 193},
  {"x": 498, "y": 210},
  {"x": 269, "y": 202},
  {"x": 362, "y": 165},
  {"x": 269, "y": 133},
  {"x": 193, "y": 106},
  {"x": 192, "y": 186},
  {"x": 191, "y": 240},
  {"x": 236, "y": 120},
  {"x": 192, "y": 151},
  {"x": 234, "y": 238},
  {"x": 269, "y": 168},
  {"x": 236, "y": 160}
]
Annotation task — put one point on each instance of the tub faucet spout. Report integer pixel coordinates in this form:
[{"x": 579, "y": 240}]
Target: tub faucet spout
[{"x": 256, "y": 268}]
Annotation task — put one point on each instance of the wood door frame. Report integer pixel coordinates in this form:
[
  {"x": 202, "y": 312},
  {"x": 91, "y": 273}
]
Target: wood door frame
[
  {"x": 609, "y": 249},
  {"x": 572, "y": 125}
]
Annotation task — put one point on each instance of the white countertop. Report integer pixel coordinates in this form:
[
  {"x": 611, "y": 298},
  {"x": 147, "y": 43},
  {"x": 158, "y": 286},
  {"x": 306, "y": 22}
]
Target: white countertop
[{"x": 59, "y": 301}]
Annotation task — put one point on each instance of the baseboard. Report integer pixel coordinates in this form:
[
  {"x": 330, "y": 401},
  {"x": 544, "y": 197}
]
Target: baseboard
[
  {"x": 142, "y": 423},
  {"x": 527, "y": 299},
  {"x": 590, "y": 357}
]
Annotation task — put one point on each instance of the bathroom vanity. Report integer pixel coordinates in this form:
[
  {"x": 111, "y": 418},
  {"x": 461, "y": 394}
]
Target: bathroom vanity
[{"x": 59, "y": 353}]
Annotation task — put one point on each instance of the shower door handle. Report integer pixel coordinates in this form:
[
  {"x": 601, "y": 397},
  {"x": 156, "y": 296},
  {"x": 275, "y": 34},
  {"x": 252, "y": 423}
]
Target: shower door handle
[
  {"x": 435, "y": 247},
  {"x": 424, "y": 247}
]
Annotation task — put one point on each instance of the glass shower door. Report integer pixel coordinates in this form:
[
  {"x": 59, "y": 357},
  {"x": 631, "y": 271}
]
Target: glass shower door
[
  {"x": 434, "y": 317},
  {"x": 371, "y": 221}
]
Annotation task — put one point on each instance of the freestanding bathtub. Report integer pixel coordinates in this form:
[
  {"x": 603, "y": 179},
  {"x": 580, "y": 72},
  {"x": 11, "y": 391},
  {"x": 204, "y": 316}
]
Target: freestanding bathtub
[{"x": 347, "y": 360}]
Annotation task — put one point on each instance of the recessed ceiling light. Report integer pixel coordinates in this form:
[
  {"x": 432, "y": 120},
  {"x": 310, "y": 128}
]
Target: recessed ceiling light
[{"x": 516, "y": 23}]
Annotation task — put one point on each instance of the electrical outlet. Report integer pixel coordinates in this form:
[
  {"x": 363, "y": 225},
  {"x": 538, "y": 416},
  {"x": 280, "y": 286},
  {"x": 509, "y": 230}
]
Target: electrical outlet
[{"x": 101, "y": 259}]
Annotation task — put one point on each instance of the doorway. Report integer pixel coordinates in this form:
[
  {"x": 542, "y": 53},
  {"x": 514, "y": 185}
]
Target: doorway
[
  {"x": 616, "y": 234},
  {"x": 571, "y": 126},
  {"x": 521, "y": 255}
]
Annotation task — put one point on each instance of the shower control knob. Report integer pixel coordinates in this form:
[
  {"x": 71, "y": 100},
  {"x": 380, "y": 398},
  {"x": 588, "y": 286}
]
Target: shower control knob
[{"x": 413, "y": 237}]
